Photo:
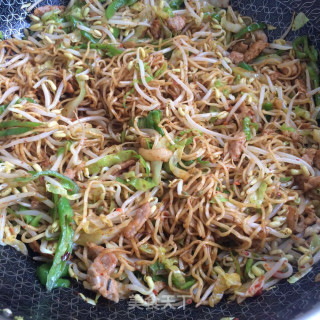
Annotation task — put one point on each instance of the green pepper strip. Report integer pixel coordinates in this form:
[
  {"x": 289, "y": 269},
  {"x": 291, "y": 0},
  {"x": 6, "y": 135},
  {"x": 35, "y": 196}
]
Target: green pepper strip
[
  {"x": 312, "y": 68},
  {"x": 297, "y": 42},
  {"x": 116, "y": 32},
  {"x": 4, "y": 106},
  {"x": 190, "y": 281},
  {"x": 15, "y": 123},
  {"x": 251, "y": 28},
  {"x": 176, "y": 4},
  {"x": 14, "y": 131},
  {"x": 248, "y": 265},
  {"x": 54, "y": 212},
  {"x": 65, "y": 243},
  {"x": 115, "y": 5},
  {"x": 236, "y": 263},
  {"x": 27, "y": 218},
  {"x": 245, "y": 66},
  {"x": 112, "y": 50},
  {"x": 302, "y": 49},
  {"x": 35, "y": 221},
  {"x": 85, "y": 34},
  {"x": 71, "y": 185},
  {"x": 267, "y": 106},
  {"x": 42, "y": 273},
  {"x": 246, "y": 128}
]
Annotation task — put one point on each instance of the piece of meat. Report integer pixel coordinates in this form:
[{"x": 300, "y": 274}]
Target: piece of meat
[
  {"x": 155, "y": 28},
  {"x": 277, "y": 103},
  {"x": 99, "y": 273},
  {"x": 94, "y": 250},
  {"x": 268, "y": 131},
  {"x": 138, "y": 221},
  {"x": 235, "y": 146},
  {"x": 36, "y": 204},
  {"x": 118, "y": 168},
  {"x": 274, "y": 75},
  {"x": 236, "y": 57},
  {"x": 316, "y": 160},
  {"x": 39, "y": 12},
  {"x": 309, "y": 156},
  {"x": 219, "y": 3},
  {"x": 311, "y": 217},
  {"x": 70, "y": 173},
  {"x": 69, "y": 88},
  {"x": 311, "y": 183},
  {"x": 292, "y": 218},
  {"x": 260, "y": 35},
  {"x": 299, "y": 181},
  {"x": 293, "y": 135},
  {"x": 46, "y": 162},
  {"x": 159, "y": 285},
  {"x": 244, "y": 112},
  {"x": 240, "y": 47},
  {"x": 301, "y": 88},
  {"x": 176, "y": 23},
  {"x": 254, "y": 50}
]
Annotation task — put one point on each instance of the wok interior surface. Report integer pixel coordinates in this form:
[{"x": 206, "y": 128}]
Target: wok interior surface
[{"x": 21, "y": 291}]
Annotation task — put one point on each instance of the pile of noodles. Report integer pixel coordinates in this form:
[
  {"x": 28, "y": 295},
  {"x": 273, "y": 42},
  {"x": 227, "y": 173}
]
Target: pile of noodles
[{"x": 210, "y": 215}]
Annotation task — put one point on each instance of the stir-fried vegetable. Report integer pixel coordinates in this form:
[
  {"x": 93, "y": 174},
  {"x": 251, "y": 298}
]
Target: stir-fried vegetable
[
  {"x": 284, "y": 127},
  {"x": 179, "y": 280},
  {"x": 43, "y": 271},
  {"x": 258, "y": 197},
  {"x": 251, "y": 28},
  {"x": 110, "y": 49},
  {"x": 162, "y": 70},
  {"x": 238, "y": 71},
  {"x": 176, "y": 4},
  {"x": 224, "y": 282},
  {"x": 179, "y": 173},
  {"x": 75, "y": 22},
  {"x": 72, "y": 106},
  {"x": 22, "y": 127},
  {"x": 115, "y": 5},
  {"x": 64, "y": 248},
  {"x": 213, "y": 15},
  {"x": 111, "y": 160},
  {"x": 246, "y": 66},
  {"x": 302, "y": 49},
  {"x": 299, "y": 21},
  {"x": 151, "y": 121},
  {"x": 137, "y": 183},
  {"x": 248, "y": 266},
  {"x": 247, "y": 124},
  {"x": 314, "y": 77},
  {"x": 268, "y": 106},
  {"x": 16, "y": 123},
  {"x": 69, "y": 184},
  {"x": 303, "y": 113},
  {"x": 14, "y": 131},
  {"x": 285, "y": 179},
  {"x": 154, "y": 269}
]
